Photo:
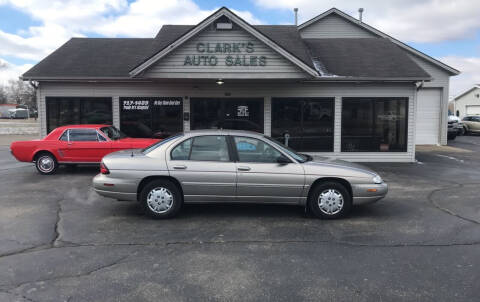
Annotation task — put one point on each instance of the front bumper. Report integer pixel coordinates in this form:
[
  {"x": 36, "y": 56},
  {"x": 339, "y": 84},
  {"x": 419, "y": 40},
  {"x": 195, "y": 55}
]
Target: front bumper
[
  {"x": 368, "y": 193},
  {"x": 117, "y": 188}
]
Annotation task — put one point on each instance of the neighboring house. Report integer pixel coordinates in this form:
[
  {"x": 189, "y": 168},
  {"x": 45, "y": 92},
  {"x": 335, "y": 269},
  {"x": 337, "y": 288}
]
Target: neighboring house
[
  {"x": 332, "y": 86},
  {"x": 467, "y": 102}
]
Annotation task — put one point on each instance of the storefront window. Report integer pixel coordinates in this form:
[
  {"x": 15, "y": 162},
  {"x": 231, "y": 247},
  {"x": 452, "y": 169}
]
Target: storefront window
[
  {"x": 155, "y": 117},
  {"x": 77, "y": 110},
  {"x": 374, "y": 124},
  {"x": 306, "y": 124},
  {"x": 231, "y": 113}
]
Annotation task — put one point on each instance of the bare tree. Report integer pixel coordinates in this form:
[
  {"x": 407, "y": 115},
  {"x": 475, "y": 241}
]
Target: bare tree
[
  {"x": 22, "y": 93},
  {"x": 3, "y": 95}
]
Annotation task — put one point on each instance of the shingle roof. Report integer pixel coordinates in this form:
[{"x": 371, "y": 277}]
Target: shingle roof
[
  {"x": 288, "y": 37},
  {"x": 364, "y": 58},
  {"x": 116, "y": 57},
  {"x": 91, "y": 58}
]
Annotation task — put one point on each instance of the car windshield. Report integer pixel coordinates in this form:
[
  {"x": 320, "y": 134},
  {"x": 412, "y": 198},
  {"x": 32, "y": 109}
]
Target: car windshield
[
  {"x": 158, "y": 144},
  {"x": 297, "y": 156},
  {"x": 113, "y": 133}
]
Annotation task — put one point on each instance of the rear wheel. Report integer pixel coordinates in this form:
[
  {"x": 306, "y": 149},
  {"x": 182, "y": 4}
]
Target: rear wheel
[
  {"x": 161, "y": 199},
  {"x": 330, "y": 200},
  {"x": 46, "y": 163}
]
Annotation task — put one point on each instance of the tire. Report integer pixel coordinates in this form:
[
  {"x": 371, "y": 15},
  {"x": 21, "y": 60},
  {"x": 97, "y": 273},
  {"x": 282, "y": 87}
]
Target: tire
[
  {"x": 46, "y": 163},
  {"x": 462, "y": 131},
  {"x": 338, "y": 206},
  {"x": 161, "y": 199}
]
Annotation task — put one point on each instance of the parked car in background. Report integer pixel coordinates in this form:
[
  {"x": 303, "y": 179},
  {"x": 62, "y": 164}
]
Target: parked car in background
[
  {"x": 75, "y": 144},
  {"x": 472, "y": 123},
  {"x": 455, "y": 127},
  {"x": 205, "y": 166},
  {"x": 18, "y": 113}
]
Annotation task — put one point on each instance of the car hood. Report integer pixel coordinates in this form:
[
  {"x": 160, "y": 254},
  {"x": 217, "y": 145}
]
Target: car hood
[{"x": 339, "y": 163}]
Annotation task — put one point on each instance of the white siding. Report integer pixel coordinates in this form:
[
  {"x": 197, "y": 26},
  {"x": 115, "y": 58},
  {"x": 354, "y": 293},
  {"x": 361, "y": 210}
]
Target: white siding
[
  {"x": 334, "y": 26},
  {"x": 267, "y": 112},
  {"x": 253, "y": 89},
  {"x": 470, "y": 99},
  {"x": 428, "y": 116},
  {"x": 172, "y": 66},
  {"x": 441, "y": 80}
]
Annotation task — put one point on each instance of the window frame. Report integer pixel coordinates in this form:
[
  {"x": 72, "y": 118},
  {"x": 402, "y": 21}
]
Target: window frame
[
  {"x": 229, "y": 149},
  {"x": 237, "y": 156},
  {"x": 373, "y": 101},
  {"x": 302, "y": 102},
  {"x": 74, "y": 99},
  {"x": 96, "y": 131}
]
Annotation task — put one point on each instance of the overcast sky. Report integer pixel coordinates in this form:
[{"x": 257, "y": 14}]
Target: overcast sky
[{"x": 31, "y": 29}]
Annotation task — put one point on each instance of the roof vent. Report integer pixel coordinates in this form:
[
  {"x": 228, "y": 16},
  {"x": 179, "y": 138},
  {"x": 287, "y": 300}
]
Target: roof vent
[
  {"x": 360, "y": 14},
  {"x": 223, "y": 23},
  {"x": 295, "y": 11}
]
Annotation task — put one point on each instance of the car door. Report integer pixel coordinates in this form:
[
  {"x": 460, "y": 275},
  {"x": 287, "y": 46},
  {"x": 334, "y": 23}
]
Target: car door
[
  {"x": 475, "y": 123},
  {"x": 261, "y": 178},
  {"x": 87, "y": 145},
  {"x": 204, "y": 167}
]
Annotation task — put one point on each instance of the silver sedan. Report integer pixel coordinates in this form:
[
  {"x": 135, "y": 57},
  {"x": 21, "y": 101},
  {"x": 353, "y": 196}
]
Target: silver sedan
[{"x": 208, "y": 166}]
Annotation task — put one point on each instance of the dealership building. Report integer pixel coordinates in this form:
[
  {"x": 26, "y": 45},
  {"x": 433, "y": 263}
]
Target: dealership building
[{"x": 332, "y": 86}]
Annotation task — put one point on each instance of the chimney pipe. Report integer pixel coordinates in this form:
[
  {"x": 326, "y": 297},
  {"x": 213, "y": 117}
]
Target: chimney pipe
[
  {"x": 295, "y": 10},
  {"x": 360, "y": 13}
]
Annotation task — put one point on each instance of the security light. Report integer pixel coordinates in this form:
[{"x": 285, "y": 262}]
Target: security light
[{"x": 220, "y": 82}]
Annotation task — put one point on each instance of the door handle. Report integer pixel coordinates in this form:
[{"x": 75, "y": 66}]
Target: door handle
[
  {"x": 243, "y": 168},
  {"x": 180, "y": 167}
]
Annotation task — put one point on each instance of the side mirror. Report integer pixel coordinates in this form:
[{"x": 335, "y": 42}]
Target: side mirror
[{"x": 283, "y": 160}]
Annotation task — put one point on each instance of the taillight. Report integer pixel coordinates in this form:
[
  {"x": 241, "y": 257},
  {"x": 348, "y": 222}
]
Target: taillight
[{"x": 104, "y": 169}]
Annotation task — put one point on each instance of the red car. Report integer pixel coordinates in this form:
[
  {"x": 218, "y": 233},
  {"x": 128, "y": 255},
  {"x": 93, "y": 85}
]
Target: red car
[{"x": 75, "y": 144}]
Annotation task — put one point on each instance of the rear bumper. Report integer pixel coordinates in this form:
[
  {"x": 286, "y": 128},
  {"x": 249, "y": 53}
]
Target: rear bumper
[
  {"x": 117, "y": 188},
  {"x": 368, "y": 193}
]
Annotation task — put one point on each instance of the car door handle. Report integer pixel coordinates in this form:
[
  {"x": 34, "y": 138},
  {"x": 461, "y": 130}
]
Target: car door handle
[
  {"x": 243, "y": 168},
  {"x": 180, "y": 167}
]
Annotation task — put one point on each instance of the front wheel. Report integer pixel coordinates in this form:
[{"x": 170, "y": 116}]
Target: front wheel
[
  {"x": 46, "y": 164},
  {"x": 161, "y": 199},
  {"x": 330, "y": 200}
]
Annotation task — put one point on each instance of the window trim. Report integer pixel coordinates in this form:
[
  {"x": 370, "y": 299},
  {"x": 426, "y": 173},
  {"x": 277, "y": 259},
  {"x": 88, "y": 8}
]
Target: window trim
[
  {"x": 83, "y": 129},
  {"x": 237, "y": 159},
  {"x": 406, "y": 99},
  {"x": 302, "y": 100},
  {"x": 82, "y": 99},
  {"x": 230, "y": 157}
]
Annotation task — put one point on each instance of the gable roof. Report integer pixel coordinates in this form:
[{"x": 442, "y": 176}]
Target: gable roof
[
  {"x": 380, "y": 58},
  {"x": 373, "y": 30},
  {"x": 308, "y": 68},
  {"x": 286, "y": 36},
  {"x": 325, "y": 59},
  {"x": 466, "y": 91},
  {"x": 91, "y": 58}
]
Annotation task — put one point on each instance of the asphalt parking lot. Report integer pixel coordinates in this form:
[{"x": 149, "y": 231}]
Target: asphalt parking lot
[{"x": 59, "y": 241}]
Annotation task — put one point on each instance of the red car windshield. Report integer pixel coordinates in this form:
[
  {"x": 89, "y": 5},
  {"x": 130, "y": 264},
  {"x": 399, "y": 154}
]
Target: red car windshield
[{"x": 113, "y": 133}]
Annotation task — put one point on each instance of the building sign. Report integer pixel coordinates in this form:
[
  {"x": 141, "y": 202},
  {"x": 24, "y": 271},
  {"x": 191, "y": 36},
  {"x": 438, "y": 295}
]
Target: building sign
[
  {"x": 138, "y": 103},
  {"x": 237, "y": 54},
  {"x": 242, "y": 111}
]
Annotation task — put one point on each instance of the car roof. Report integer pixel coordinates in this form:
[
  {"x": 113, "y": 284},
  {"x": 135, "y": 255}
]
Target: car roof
[
  {"x": 222, "y": 132},
  {"x": 96, "y": 126}
]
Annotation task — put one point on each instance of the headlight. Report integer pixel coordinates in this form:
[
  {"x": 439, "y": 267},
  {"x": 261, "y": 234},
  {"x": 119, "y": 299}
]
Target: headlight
[{"x": 377, "y": 179}]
